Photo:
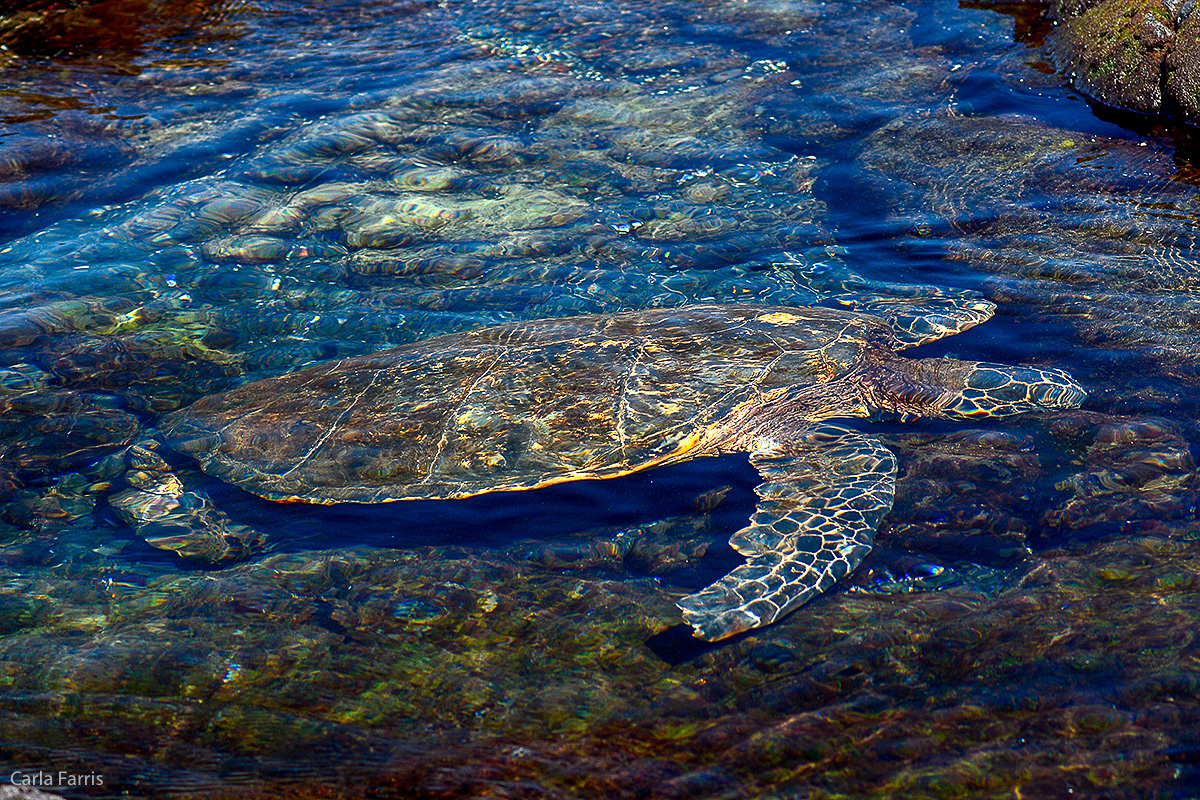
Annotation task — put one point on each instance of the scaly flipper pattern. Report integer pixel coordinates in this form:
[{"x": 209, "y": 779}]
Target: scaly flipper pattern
[{"x": 824, "y": 493}]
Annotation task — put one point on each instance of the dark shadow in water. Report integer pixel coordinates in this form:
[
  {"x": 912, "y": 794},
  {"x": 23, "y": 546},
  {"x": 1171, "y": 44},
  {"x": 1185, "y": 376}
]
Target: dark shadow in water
[
  {"x": 676, "y": 645},
  {"x": 498, "y": 519},
  {"x": 1030, "y": 25}
]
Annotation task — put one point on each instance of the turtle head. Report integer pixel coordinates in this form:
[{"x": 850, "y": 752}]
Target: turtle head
[
  {"x": 947, "y": 388},
  {"x": 994, "y": 390}
]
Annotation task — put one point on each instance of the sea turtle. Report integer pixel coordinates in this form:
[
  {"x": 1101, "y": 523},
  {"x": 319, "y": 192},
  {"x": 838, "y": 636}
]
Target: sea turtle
[{"x": 533, "y": 403}]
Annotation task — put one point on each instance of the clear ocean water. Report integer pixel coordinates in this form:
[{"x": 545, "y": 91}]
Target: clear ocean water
[{"x": 197, "y": 194}]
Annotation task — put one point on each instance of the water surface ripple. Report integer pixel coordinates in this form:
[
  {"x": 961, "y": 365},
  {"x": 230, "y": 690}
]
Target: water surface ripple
[{"x": 194, "y": 194}]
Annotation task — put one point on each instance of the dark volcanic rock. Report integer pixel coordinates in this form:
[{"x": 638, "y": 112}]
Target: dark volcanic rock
[{"x": 1140, "y": 55}]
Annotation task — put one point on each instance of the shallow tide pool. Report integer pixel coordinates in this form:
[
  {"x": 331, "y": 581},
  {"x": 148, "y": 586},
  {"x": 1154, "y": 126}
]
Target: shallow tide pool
[{"x": 196, "y": 195}]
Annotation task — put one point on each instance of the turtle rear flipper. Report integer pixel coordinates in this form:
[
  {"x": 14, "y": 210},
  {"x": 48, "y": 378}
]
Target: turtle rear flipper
[
  {"x": 170, "y": 517},
  {"x": 822, "y": 497}
]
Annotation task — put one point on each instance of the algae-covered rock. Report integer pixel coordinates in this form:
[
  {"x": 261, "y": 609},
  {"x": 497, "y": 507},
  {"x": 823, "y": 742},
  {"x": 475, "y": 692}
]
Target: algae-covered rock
[
  {"x": 446, "y": 670},
  {"x": 1138, "y": 55},
  {"x": 1114, "y": 51}
]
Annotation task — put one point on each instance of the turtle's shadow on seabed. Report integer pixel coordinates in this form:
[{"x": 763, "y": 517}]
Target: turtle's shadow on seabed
[
  {"x": 573, "y": 512},
  {"x": 564, "y": 512}
]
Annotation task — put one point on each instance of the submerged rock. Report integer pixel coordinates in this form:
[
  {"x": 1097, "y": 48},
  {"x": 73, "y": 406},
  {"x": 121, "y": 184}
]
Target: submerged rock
[
  {"x": 1137, "y": 55},
  {"x": 1134, "y": 55},
  {"x": 562, "y": 679},
  {"x": 1093, "y": 233},
  {"x": 1137, "y": 474},
  {"x": 529, "y": 159}
]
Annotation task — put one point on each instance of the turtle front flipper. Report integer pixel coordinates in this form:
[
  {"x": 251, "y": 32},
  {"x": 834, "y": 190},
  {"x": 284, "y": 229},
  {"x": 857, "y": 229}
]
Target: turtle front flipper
[
  {"x": 823, "y": 495},
  {"x": 170, "y": 517}
]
